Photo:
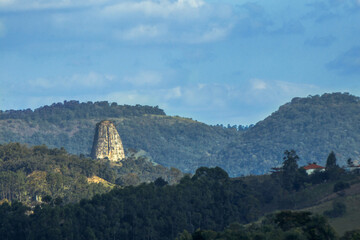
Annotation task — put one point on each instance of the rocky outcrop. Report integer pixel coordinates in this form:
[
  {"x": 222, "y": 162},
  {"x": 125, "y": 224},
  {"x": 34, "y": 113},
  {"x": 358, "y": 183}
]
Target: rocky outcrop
[{"x": 107, "y": 142}]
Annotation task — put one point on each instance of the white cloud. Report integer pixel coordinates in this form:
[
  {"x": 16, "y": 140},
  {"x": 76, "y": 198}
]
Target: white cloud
[
  {"x": 140, "y": 32},
  {"x": 258, "y": 84},
  {"x": 163, "y": 8},
  {"x": 144, "y": 78},
  {"x": 199, "y": 98},
  {"x": 180, "y": 21},
  {"x": 261, "y": 91},
  {"x": 164, "y": 33},
  {"x": 293, "y": 89},
  {"x": 215, "y": 102},
  {"x": 218, "y": 99},
  {"x": 42, "y": 83},
  {"x": 28, "y": 5},
  {"x": 137, "y": 22},
  {"x": 149, "y": 7},
  {"x": 6, "y": 2},
  {"x": 90, "y": 80},
  {"x": 206, "y": 96},
  {"x": 133, "y": 97},
  {"x": 211, "y": 35},
  {"x": 173, "y": 93}
]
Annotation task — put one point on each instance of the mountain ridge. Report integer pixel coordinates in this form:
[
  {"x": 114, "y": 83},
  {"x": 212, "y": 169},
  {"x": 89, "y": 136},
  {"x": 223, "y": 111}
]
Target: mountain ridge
[{"x": 313, "y": 126}]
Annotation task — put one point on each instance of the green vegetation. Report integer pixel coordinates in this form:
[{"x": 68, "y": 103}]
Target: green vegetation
[
  {"x": 350, "y": 219},
  {"x": 314, "y": 126},
  {"x": 208, "y": 205},
  {"x": 68, "y": 110},
  {"x": 30, "y": 174},
  {"x": 338, "y": 210},
  {"x": 281, "y": 226},
  {"x": 170, "y": 141}
]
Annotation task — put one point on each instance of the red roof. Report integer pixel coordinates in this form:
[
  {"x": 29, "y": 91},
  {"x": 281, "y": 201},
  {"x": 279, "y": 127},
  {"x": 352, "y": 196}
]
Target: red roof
[{"x": 313, "y": 166}]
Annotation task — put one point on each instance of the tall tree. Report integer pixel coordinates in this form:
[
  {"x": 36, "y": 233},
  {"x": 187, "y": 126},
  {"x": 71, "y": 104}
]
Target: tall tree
[
  {"x": 333, "y": 171},
  {"x": 331, "y": 161},
  {"x": 290, "y": 168}
]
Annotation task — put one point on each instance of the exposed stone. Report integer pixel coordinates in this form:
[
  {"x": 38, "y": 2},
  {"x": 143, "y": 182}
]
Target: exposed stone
[{"x": 107, "y": 142}]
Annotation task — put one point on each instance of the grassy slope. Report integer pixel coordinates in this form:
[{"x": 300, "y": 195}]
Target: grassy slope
[
  {"x": 319, "y": 198},
  {"x": 351, "y": 219}
]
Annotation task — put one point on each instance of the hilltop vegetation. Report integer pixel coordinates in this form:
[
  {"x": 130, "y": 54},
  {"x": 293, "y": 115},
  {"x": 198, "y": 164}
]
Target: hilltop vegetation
[
  {"x": 70, "y": 110},
  {"x": 280, "y": 226},
  {"x": 170, "y": 141},
  {"x": 30, "y": 174},
  {"x": 313, "y": 126}
]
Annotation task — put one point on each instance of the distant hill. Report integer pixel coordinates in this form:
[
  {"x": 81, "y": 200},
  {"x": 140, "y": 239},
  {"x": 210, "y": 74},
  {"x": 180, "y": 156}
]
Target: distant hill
[
  {"x": 170, "y": 141},
  {"x": 312, "y": 126}
]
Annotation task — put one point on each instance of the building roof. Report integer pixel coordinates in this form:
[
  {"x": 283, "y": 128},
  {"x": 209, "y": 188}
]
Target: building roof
[{"x": 313, "y": 166}]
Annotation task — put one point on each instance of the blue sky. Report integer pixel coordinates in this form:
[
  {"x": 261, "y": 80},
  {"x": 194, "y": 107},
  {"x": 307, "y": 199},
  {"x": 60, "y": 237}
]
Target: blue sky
[{"x": 214, "y": 61}]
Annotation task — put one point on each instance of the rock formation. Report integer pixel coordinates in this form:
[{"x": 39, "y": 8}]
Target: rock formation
[{"x": 107, "y": 142}]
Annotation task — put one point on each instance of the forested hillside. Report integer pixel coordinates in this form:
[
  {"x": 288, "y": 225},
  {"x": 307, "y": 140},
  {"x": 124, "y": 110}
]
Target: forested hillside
[
  {"x": 30, "y": 174},
  {"x": 313, "y": 126},
  {"x": 170, "y": 141},
  {"x": 208, "y": 205}
]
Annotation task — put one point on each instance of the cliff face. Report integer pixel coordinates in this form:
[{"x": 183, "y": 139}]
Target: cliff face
[{"x": 107, "y": 142}]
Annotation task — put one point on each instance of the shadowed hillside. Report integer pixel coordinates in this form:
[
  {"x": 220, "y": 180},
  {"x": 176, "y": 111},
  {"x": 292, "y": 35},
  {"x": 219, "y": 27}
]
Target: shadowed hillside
[
  {"x": 170, "y": 141},
  {"x": 313, "y": 126},
  {"x": 30, "y": 174}
]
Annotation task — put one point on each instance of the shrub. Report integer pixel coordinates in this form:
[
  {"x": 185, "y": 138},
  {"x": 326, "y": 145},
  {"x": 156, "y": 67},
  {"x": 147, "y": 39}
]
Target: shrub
[
  {"x": 339, "y": 209},
  {"x": 341, "y": 186}
]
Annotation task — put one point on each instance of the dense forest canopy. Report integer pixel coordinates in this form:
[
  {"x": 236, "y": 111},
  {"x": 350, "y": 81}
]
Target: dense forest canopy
[
  {"x": 313, "y": 126},
  {"x": 208, "y": 205},
  {"x": 75, "y": 110},
  {"x": 28, "y": 174}
]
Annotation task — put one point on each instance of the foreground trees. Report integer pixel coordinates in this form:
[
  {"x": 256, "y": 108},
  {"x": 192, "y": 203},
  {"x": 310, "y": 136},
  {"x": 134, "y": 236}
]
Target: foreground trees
[
  {"x": 281, "y": 226},
  {"x": 208, "y": 205}
]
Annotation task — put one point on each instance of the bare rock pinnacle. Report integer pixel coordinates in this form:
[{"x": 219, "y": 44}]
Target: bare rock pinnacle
[{"x": 107, "y": 142}]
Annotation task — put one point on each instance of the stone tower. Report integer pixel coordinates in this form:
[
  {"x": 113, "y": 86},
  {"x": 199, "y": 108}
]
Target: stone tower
[{"x": 107, "y": 142}]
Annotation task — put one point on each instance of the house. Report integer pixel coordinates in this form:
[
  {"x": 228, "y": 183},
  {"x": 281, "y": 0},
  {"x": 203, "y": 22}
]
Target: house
[
  {"x": 276, "y": 170},
  {"x": 353, "y": 168},
  {"x": 311, "y": 168}
]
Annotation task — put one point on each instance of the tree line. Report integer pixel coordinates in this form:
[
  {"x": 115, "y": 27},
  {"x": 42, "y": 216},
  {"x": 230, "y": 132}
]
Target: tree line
[{"x": 69, "y": 110}]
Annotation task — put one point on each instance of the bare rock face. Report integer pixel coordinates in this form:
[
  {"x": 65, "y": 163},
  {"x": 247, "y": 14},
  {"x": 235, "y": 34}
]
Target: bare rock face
[{"x": 107, "y": 142}]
